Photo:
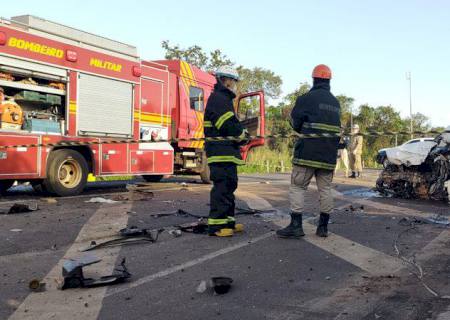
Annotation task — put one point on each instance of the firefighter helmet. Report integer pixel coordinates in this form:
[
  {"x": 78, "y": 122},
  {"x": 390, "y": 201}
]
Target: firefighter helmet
[
  {"x": 228, "y": 72},
  {"x": 321, "y": 71}
]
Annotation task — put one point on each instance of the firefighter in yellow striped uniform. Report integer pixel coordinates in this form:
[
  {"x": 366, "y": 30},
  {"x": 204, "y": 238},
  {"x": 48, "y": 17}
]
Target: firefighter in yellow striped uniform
[{"x": 223, "y": 156}]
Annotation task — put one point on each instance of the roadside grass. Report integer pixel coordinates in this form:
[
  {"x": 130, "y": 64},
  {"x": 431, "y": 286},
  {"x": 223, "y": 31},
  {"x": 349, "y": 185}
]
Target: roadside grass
[{"x": 265, "y": 160}]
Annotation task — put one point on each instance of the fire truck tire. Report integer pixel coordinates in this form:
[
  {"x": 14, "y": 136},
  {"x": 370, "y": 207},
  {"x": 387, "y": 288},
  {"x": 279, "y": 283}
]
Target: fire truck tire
[
  {"x": 67, "y": 173},
  {"x": 153, "y": 178},
  {"x": 204, "y": 174},
  {"x": 5, "y": 185}
]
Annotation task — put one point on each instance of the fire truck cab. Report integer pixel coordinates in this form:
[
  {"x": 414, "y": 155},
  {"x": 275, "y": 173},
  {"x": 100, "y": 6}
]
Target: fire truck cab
[{"x": 71, "y": 103}]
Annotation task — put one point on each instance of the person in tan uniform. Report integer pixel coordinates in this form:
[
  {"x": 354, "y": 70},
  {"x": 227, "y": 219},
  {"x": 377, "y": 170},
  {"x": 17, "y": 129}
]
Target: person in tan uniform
[
  {"x": 342, "y": 159},
  {"x": 355, "y": 153}
]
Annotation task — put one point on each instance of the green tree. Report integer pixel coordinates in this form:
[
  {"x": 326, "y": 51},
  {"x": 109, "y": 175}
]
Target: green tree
[
  {"x": 253, "y": 79},
  {"x": 218, "y": 59},
  {"x": 193, "y": 54},
  {"x": 259, "y": 79},
  {"x": 346, "y": 109},
  {"x": 291, "y": 98},
  {"x": 420, "y": 122},
  {"x": 382, "y": 118}
]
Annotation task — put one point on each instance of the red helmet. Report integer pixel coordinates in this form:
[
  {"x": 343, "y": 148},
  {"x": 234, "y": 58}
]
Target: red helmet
[{"x": 321, "y": 71}]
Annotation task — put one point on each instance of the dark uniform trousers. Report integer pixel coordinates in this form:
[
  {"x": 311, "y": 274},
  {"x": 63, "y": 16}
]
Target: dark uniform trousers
[{"x": 225, "y": 181}]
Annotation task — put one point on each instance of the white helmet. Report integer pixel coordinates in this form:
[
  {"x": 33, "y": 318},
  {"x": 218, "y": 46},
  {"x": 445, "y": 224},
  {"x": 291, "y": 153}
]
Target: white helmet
[{"x": 228, "y": 72}]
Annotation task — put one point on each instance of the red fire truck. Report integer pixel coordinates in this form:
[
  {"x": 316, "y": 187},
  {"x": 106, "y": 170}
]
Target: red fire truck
[{"x": 62, "y": 85}]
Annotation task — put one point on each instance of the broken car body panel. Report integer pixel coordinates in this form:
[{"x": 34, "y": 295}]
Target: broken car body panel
[{"x": 418, "y": 170}]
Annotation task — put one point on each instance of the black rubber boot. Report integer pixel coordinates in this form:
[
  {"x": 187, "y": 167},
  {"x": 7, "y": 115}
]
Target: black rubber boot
[
  {"x": 322, "y": 227},
  {"x": 353, "y": 176},
  {"x": 294, "y": 230}
]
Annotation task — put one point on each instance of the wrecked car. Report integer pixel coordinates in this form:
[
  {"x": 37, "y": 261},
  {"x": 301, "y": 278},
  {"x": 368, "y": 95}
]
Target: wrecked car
[
  {"x": 382, "y": 157},
  {"x": 419, "y": 170}
]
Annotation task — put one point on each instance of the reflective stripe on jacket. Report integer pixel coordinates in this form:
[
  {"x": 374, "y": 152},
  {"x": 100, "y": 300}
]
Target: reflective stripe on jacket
[{"x": 220, "y": 121}]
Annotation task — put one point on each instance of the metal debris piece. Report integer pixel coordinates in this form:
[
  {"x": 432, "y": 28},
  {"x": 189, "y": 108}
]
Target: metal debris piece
[
  {"x": 175, "y": 233},
  {"x": 199, "y": 227},
  {"x": 353, "y": 209},
  {"x": 129, "y": 235},
  {"x": 202, "y": 287},
  {"x": 221, "y": 285},
  {"x": 242, "y": 211},
  {"x": 22, "y": 208},
  {"x": 101, "y": 200},
  {"x": 179, "y": 212},
  {"x": 184, "y": 213},
  {"x": 36, "y": 286},
  {"x": 410, "y": 222},
  {"x": 74, "y": 278},
  {"x": 439, "y": 219},
  {"x": 218, "y": 285}
]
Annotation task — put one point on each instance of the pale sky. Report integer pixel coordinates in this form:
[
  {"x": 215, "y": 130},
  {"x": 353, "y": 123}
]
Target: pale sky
[{"x": 369, "y": 45}]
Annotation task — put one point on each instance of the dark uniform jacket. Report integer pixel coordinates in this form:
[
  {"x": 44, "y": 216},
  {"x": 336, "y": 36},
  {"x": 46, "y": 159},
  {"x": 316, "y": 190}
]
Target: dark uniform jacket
[
  {"x": 221, "y": 121},
  {"x": 318, "y": 111}
]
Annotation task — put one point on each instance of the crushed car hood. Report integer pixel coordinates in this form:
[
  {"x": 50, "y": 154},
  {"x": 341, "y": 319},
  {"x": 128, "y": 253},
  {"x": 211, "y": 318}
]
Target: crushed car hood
[{"x": 411, "y": 154}]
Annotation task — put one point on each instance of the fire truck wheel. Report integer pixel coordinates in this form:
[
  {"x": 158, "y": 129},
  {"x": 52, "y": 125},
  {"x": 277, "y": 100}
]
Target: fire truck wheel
[
  {"x": 5, "y": 185},
  {"x": 153, "y": 178},
  {"x": 67, "y": 172}
]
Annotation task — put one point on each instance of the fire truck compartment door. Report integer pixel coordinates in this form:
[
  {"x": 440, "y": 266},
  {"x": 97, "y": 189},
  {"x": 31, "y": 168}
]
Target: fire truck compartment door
[
  {"x": 114, "y": 159},
  {"x": 156, "y": 157},
  {"x": 105, "y": 106},
  {"x": 21, "y": 161}
]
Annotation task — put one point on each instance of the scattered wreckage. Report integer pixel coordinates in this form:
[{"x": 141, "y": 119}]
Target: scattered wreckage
[
  {"x": 74, "y": 278},
  {"x": 418, "y": 170}
]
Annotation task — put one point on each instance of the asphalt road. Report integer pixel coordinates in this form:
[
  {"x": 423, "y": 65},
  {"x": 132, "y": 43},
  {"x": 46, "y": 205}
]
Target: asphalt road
[{"x": 356, "y": 273}]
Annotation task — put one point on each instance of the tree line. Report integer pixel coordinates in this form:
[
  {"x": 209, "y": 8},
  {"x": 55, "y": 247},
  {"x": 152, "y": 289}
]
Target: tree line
[{"x": 379, "y": 118}]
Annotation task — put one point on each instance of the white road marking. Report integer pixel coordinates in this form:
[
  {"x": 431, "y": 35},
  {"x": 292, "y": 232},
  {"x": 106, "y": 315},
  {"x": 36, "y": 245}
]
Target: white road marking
[
  {"x": 188, "y": 264},
  {"x": 365, "y": 258},
  {"x": 70, "y": 304}
]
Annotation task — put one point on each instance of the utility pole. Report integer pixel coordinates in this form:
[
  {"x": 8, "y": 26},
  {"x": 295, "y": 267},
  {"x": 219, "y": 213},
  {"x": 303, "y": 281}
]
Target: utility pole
[{"x": 408, "y": 77}]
